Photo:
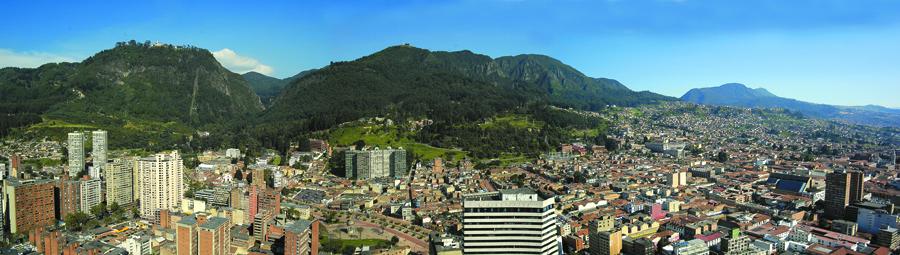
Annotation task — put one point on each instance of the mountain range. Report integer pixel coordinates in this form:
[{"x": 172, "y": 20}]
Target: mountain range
[
  {"x": 162, "y": 95},
  {"x": 735, "y": 94}
]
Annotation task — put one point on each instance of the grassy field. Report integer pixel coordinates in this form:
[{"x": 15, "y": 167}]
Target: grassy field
[
  {"x": 513, "y": 120},
  {"x": 376, "y": 135}
]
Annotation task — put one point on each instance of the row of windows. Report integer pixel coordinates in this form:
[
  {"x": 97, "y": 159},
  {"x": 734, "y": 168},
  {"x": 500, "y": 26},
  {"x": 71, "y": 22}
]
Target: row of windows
[{"x": 506, "y": 209}]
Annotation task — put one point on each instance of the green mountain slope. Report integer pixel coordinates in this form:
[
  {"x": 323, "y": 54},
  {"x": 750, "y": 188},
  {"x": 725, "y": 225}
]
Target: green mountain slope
[
  {"x": 267, "y": 87},
  {"x": 140, "y": 92},
  {"x": 458, "y": 91}
]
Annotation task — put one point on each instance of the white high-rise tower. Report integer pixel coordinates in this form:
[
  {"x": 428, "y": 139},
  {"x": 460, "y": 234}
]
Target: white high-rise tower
[
  {"x": 99, "y": 149},
  {"x": 76, "y": 153},
  {"x": 161, "y": 183}
]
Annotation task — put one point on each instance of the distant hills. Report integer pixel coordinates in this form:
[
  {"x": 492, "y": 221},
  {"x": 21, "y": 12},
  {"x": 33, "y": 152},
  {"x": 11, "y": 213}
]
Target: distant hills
[
  {"x": 266, "y": 87},
  {"x": 735, "y": 94}
]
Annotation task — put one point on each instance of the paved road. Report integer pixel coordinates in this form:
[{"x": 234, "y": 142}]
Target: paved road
[{"x": 418, "y": 245}]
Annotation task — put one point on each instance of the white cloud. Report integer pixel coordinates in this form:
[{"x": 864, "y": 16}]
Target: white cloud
[
  {"x": 241, "y": 64},
  {"x": 9, "y": 58}
]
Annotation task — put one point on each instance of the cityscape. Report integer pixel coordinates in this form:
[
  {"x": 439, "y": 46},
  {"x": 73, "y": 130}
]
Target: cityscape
[{"x": 421, "y": 147}]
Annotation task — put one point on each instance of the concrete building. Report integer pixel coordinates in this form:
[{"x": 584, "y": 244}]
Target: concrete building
[
  {"x": 871, "y": 221},
  {"x": 137, "y": 245},
  {"x": 68, "y": 198},
  {"x": 233, "y": 153},
  {"x": 98, "y": 146},
  {"x": 214, "y": 237},
  {"x": 888, "y": 237},
  {"x": 375, "y": 163},
  {"x": 736, "y": 244},
  {"x": 27, "y": 204},
  {"x": 118, "y": 175},
  {"x": 677, "y": 179},
  {"x": 186, "y": 236},
  {"x": 89, "y": 195},
  {"x": 640, "y": 246},
  {"x": 844, "y": 227},
  {"x": 605, "y": 242},
  {"x": 162, "y": 183},
  {"x": 301, "y": 238},
  {"x": 841, "y": 190},
  {"x": 514, "y": 221},
  {"x": 692, "y": 247},
  {"x": 76, "y": 153}
]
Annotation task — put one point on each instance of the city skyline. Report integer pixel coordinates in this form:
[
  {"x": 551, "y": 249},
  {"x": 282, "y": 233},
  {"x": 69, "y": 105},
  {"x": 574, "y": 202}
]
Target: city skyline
[{"x": 838, "y": 52}]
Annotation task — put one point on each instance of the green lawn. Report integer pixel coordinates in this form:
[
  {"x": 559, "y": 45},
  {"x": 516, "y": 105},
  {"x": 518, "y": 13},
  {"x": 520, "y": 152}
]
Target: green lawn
[
  {"x": 513, "y": 120},
  {"x": 383, "y": 137}
]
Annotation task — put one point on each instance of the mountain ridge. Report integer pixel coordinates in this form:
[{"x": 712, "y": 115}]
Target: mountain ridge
[{"x": 736, "y": 94}]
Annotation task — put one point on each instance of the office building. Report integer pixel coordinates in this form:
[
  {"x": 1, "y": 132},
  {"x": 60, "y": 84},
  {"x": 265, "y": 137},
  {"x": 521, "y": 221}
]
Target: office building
[
  {"x": 27, "y": 204},
  {"x": 639, "y": 246},
  {"x": 301, "y": 238},
  {"x": 98, "y": 146},
  {"x": 844, "y": 227},
  {"x": 871, "y": 221},
  {"x": 118, "y": 175},
  {"x": 516, "y": 221},
  {"x": 841, "y": 190},
  {"x": 888, "y": 237},
  {"x": 214, "y": 237},
  {"x": 376, "y": 163},
  {"x": 76, "y": 153},
  {"x": 162, "y": 183},
  {"x": 605, "y": 242},
  {"x": 89, "y": 195}
]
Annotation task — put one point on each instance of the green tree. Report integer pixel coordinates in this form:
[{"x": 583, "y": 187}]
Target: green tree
[{"x": 722, "y": 157}]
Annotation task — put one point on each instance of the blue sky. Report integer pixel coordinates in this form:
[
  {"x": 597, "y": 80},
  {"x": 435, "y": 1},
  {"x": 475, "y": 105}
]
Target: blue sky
[{"x": 835, "y": 52}]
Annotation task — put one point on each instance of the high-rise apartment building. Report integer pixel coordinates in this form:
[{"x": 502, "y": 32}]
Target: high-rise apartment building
[
  {"x": 67, "y": 194},
  {"x": 89, "y": 195},
  {"x": 75, "y": 147},
  {"x": 605, "y": 242},
  {"x": 118, "y": 174},
  {"x": 841, "y": 190},
  {"x": 28, "y": 204},
  {"x": 516, "y": 221},
  {"x": 162, "y": 183},
  {"x": 98, "y": 147},
  {"x": 376, "y": 163},
  {"x": 301, "y": 238}
]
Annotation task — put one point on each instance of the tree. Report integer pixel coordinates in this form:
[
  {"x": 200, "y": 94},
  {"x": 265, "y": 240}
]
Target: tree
[
  {"x": 75, "y": 221},
  {"x": 394, "y": 240},
  {"x": 722, "y": 157},
  {"x": 238, "y": 175},
  {"x": 99, "y": 210}
]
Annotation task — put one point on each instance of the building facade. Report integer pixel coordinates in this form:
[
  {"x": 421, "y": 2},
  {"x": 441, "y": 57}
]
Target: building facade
[
  {"x": 376, "y": 163},
  {"x": 75, "y": 147},
  {"x": 118, "y": 175},
  {"x": 89, "y": 195},
  {"x": 98, "y": 146},
  {"x": 515, "y": 221},
  {"x": 214, "y": 237},
  {"x": 161, "y": 183},
  {"x": 841, "y": 190},
  {"x": 301, "y": 238},
  {"x": 27, "y": 204}
]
